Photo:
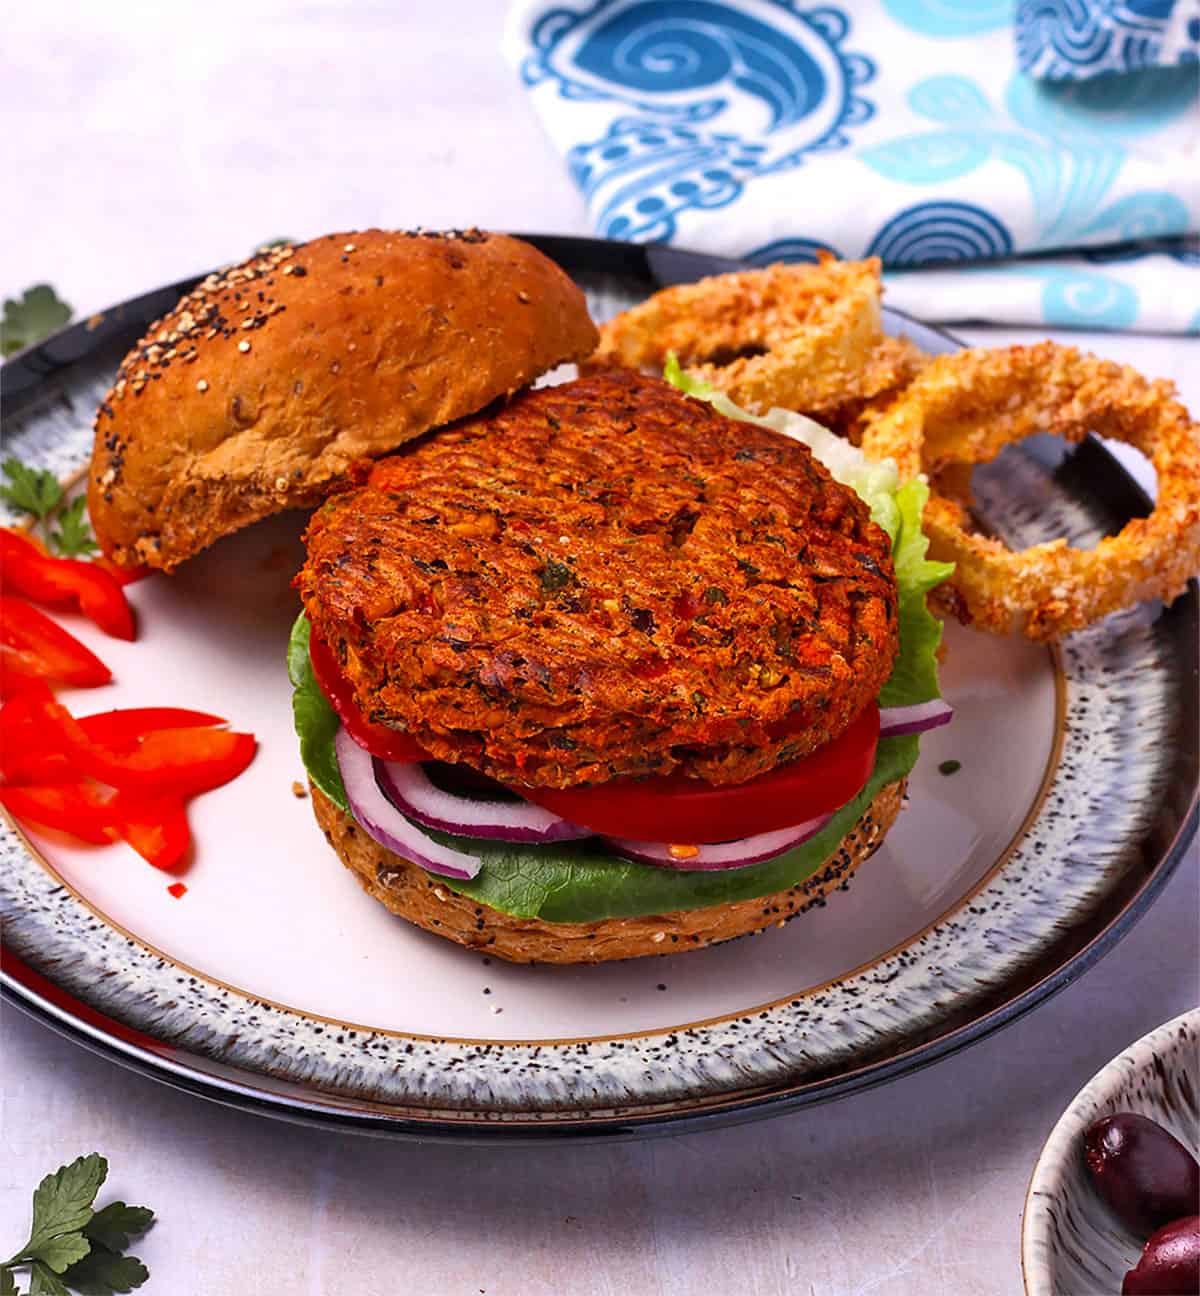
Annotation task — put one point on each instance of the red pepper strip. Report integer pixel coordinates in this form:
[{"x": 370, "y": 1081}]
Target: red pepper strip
[
  {"x": 20, "y": 672},
  {"x": 26, "y": 754},
  {"x": 122, "y": 730},
  {"x": 156, "y": 827},
  {"x": 59, "y": 655},
  {"x": 29, "y": 753},
  {"x": 180, "y": 761},
  {"x": 28, "y": 571},
  {"x": 80, "y": 809},
  {"x": 379, "y": 740}
]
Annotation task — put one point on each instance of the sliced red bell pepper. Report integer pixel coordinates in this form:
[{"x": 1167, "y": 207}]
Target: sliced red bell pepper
[
  {"x": 29, "y": 752},
  {"x": 156, "y": 827},
  {"x": 81, "y": 809},
  {"x": 182, "y": 761},
  {"x": 27, "y": 571},
  {"x": 20, "y": 672},
  {"x": 42, "y": 647},
  {"x": 122, "y": 730}
]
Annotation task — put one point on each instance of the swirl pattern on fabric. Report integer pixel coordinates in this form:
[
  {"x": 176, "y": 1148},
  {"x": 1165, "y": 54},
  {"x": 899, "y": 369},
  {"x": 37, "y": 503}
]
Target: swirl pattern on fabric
[
  {"x": 721, "y": 96},
  {"x": 1076, "y": 40},
  {"x": 790, "y": 250},
  {"x": 935, "y": 233}
]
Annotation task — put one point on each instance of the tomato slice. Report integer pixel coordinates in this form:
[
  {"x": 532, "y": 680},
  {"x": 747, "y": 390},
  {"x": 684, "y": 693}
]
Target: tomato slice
[
  {"x": 379, "y": 740},
  {"x": 674, "y": 808},
  {"x": 27, "y": 571},
  {"x": 39, "y": 646}
]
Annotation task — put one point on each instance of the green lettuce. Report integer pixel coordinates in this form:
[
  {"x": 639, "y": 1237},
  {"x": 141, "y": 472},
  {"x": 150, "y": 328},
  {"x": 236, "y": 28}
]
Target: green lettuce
[{"x": 582, "y": 881}]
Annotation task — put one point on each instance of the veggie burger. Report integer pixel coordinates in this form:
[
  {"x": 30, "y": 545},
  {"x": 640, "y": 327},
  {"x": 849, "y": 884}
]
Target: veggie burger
[{"x": 597, "y": 670}]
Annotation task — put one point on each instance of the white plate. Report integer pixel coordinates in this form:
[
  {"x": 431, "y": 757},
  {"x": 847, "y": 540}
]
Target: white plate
[{"x": 277, "y": 984}]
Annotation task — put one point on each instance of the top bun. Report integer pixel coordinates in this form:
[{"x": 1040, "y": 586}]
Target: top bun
[{"x": 265, "y": 383}]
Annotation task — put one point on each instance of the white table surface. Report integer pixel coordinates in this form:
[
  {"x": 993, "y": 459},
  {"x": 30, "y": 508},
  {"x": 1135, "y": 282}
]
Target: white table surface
[{"x": 147, "y": 141}]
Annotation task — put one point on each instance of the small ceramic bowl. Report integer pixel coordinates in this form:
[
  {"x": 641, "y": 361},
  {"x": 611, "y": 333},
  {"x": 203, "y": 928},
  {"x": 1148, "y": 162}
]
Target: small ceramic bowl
[{"x": 1071, "y": 1243}]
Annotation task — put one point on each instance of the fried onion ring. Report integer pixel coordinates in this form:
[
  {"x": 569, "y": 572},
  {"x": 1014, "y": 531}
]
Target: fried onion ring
[
  {"x": 803, "y": 337},
  {"x": 964, "y": 408}
]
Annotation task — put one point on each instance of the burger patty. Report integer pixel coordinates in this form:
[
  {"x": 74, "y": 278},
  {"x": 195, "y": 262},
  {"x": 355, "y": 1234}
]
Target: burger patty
[{"x": 601, "y": 579}]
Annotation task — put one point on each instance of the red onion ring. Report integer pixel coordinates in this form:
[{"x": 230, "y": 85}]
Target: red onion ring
[
  {"x": 722, "y": 855},
  {"x": 385, "y": 824},
  {"x": 409, "y": 789},
  {"x": 895, "y": 722}
]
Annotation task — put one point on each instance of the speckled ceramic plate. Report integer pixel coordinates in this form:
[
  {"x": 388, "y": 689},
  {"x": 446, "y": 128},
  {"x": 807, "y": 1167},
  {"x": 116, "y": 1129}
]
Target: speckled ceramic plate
[
  {"x": 275, "y": 984},
  {"x": 1071, "y": 1243}
]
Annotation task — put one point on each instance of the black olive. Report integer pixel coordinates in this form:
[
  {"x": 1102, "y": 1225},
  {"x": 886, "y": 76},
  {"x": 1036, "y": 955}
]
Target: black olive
[
  {"x": 1144, "y": 1173},
  {"x": 1170, "y": 1263}
]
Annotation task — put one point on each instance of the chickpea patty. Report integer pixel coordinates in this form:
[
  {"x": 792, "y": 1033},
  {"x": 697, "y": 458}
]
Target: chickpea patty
[{"x": 601, "y": 579}]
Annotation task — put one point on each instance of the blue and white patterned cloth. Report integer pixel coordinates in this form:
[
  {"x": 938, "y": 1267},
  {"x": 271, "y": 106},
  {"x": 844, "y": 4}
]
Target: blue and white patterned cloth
[
  {"x": 906, "y": 129},
  {"x": 1073, "y": 39}
]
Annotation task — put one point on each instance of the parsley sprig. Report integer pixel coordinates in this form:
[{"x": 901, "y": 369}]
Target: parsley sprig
[
  {"x": 72, "y": 1247},
  {"x": 37, "y": 491},
  {"x": 27, "y": 319}
]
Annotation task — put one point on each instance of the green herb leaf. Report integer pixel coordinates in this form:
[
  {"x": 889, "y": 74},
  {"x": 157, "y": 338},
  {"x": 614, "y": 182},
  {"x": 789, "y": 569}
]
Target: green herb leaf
[
  {"x": 556, "y": 576},
  {"x": 315, "y": 720},
  {"x": 45, "y": 1280},
  {"x": 113, "y": 1226},
  {"x": 62, "y": 1202},
  {"x": 73, "y": 535},
  {"x": 59, "y": 1253},
  {"x": 949, "y": 767},
  {"x": 31, "y": 317},
  {"x": 32, "y": 490},
  {"x": 104, "y": 1272}
]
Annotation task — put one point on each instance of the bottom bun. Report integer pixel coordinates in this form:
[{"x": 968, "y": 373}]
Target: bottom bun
[{"x": 412, "y": 893}]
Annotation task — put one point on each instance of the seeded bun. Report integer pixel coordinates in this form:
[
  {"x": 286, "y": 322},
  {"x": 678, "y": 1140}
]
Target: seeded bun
[
  {"x": 263, "y": 385},
  {"x": 418, "y": 896}
]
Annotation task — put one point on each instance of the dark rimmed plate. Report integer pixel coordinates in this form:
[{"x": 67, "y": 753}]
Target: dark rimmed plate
[{"x": 981, "y": 904}]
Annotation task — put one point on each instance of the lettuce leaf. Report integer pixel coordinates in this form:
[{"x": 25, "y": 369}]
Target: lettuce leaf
[
  {"x": 914, "y": 676},
  {"x": 581, "y": 881},
  {"x": 315, "y": 720}
]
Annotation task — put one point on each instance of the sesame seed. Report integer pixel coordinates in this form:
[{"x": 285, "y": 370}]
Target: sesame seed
[
  {"x": 202, "y": 385},
  {"x": 659, "y": 937},
  {"x": 243, "y": 346},
  {"x": 348, "y": 248}
]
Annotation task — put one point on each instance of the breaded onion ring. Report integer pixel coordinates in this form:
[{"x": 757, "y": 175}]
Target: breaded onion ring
[
  {"x": 803, "y": 337},
  {"x": 964, "y": 408}
]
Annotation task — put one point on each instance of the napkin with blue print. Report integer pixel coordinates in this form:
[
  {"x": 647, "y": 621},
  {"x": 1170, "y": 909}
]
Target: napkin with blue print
[{"x": 1017, "y": 161}]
